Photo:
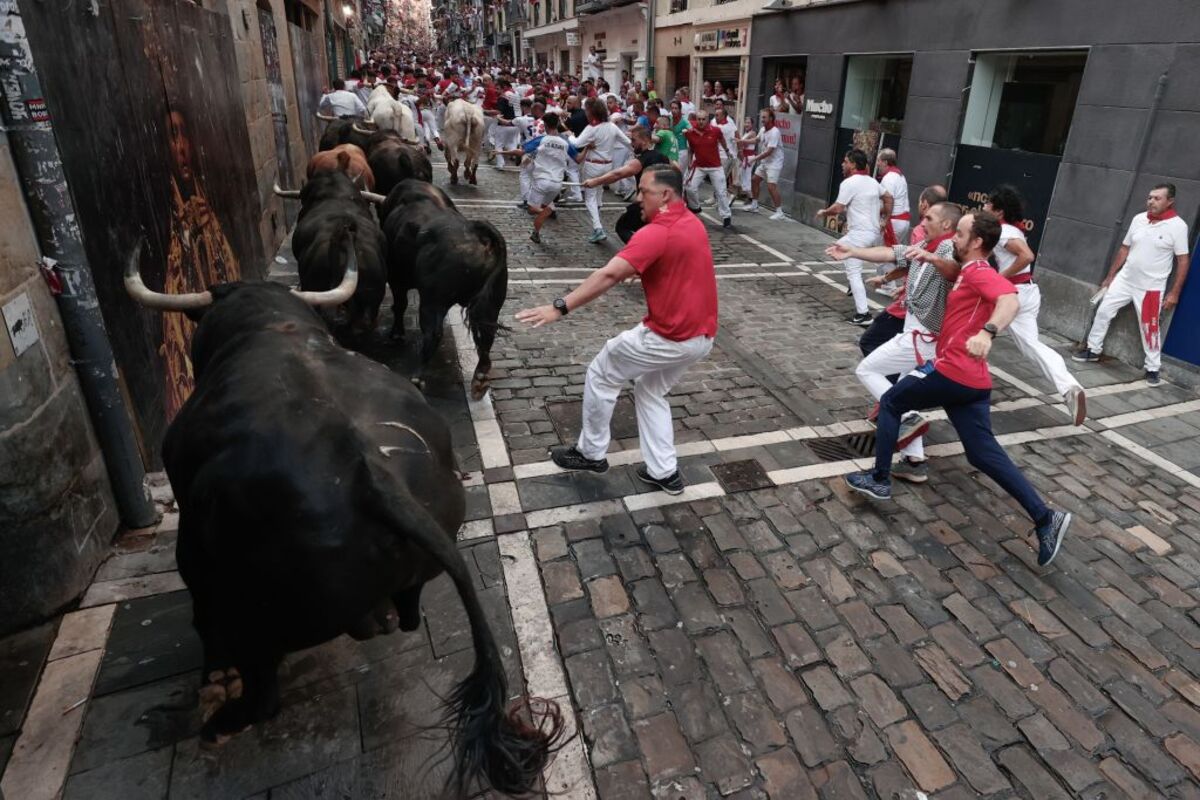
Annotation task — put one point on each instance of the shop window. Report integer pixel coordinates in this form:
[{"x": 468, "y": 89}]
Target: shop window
[
  {"x": 876, "y": 93},
  {"x": 790, "y": 74},
  {"x": 678, "y": 5},
  {"x": 1023, "y": 101}
]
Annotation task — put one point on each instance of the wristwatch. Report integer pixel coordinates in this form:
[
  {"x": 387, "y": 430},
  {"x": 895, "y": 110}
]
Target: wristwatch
[
  {"x": 561, "y": 306},
  {"x": 992, "y": 329}
]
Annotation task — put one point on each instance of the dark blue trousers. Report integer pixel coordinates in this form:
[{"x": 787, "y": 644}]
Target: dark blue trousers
[{"x": 970, "y": 413}]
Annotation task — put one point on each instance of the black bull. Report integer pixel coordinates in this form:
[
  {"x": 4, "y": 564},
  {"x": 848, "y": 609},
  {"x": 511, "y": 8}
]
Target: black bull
[
  {"x": 318, "y": 493},
  {"x": 331, "y": 208},
  {"x": 392, "y": 160},
  {"x": 450, "y": 260}
]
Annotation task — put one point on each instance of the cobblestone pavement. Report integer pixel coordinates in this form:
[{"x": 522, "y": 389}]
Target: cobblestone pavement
[{"x": 764, "y": 635}]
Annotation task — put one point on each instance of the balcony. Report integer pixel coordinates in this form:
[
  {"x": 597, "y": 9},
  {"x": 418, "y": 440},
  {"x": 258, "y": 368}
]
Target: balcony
[{"x": 598, "y": 6}]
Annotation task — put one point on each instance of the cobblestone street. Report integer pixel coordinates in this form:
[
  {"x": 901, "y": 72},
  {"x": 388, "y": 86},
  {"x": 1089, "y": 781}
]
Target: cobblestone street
[{"x": 767, "y": 634}]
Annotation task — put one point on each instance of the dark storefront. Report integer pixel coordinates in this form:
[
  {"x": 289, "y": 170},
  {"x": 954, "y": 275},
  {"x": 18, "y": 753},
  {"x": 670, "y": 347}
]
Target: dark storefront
[{"x": 1082, "y": 104}]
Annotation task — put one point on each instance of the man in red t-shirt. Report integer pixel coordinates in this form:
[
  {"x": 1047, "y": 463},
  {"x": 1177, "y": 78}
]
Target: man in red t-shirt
[
  {"x": 707, "y": 143},
  {"x": 979, "y": 306},
  {"x": 672, "y": 256}
]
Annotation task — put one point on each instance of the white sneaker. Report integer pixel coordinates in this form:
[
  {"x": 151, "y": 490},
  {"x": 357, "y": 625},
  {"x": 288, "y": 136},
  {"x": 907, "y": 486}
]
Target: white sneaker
[
  {"x": 778, "y": 214},
  {"x": 750, "y": 206}
]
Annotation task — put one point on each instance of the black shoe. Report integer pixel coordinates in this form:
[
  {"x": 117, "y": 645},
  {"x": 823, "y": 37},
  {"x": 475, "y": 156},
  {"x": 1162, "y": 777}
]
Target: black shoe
[
  {"x": 535, "y": 237},
  {"x": 727, "y": 222},
  {"x": 1084, "y": 354},
  {"x": 672, "y": 484},
  {"x": 696, "y": 211},
  {"x": 570, "y": 458},
  {"x": 1050, "y": 536},
  {"x": 1152, "y": 377},
  {"x": 861, "y": 320}
]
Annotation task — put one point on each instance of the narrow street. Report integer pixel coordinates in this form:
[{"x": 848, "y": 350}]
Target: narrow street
[{"x": 765, "y": 634}]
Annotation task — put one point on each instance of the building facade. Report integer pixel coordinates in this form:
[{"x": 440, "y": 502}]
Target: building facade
[{"x": 1082, "y": 104}]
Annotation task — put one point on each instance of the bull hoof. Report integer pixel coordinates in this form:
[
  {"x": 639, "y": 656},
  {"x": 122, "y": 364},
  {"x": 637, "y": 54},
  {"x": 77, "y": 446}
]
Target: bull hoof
[
  {"x": 396, "y": 336},
  {"x": 479, "y": 387},
  {"x": 454, "y": 180},
  {"x": 471, "y": 180},
  {"x": 212, "y": 697}
]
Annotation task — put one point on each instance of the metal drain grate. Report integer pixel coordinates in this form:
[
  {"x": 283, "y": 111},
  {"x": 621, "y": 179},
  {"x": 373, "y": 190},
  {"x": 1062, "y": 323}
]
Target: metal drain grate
[{"x": 843, "y": 448}]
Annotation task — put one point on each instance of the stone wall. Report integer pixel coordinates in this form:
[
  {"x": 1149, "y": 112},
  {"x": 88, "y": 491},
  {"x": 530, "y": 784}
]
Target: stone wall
[
  {"x": 244, "y": 19},
  {"x": 57, "y": 514}
]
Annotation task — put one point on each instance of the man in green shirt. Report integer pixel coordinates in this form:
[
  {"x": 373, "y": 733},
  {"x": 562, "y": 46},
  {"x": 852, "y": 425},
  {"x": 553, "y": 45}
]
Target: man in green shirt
[
  {"x": 665, "y": 141},
  {"x": 679, "y": 124}
]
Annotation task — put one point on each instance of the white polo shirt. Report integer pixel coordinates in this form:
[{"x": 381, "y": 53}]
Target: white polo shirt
[
  {"x": 1153, "y": 247},
  {"x": 768, "y": 139},
  {"x": 862, "y": 196},
  {"x": 897, "y": 186},
  {"x": 1005, "y": 257}
]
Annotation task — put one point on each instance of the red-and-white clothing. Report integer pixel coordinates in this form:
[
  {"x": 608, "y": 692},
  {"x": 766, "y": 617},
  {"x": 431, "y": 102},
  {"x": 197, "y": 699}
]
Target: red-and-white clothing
[
  {"x": 1153, "y": 246},
  {"x": 895, "y": 184},
  {"x": 968, "y": 308}
]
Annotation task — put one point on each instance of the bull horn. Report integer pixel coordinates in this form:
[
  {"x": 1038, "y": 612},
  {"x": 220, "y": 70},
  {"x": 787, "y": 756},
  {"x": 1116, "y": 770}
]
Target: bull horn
[
  {"x": 326, "y": 117},
  {"x": 413, "y": 142},
  {"x": 151, "y": 299},
  {"x": 291, "y": 193},
  {"x": 340, "y": 293},
  {"x": 373, "y": 197},
  {"x": 357, "y": 129}
]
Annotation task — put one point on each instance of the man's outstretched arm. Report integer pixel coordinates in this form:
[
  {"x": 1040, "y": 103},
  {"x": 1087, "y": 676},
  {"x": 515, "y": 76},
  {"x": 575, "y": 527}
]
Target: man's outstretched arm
[{"x": 594, "y": 285}]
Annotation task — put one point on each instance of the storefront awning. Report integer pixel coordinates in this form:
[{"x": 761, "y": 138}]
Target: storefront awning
[{"x": 571, "y": 24}]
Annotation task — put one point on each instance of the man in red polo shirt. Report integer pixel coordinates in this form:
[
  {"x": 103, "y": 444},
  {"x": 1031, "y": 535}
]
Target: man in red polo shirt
[
  {"x": 706, "y": 143},
  {"x": 978, "y": 307},
  {"x": 672, "y": 256}
]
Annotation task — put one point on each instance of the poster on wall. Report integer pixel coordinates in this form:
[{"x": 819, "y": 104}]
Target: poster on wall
[
  {"x": 165, "y": 158},
  {"x": 789, "y": 136},
  {"x": 979, "y": 170}
]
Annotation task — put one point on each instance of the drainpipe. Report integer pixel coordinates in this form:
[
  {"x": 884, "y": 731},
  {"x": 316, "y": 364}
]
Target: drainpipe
[
  {"x": 651, "y": 10},
  {"x": 26, "y": 120},
  {"x": 1119, "y": 224}
]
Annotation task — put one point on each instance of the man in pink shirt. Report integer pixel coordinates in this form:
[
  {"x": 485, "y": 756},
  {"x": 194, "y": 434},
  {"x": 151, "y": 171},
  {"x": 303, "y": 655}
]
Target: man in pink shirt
[{"x": 671, "y": 253}]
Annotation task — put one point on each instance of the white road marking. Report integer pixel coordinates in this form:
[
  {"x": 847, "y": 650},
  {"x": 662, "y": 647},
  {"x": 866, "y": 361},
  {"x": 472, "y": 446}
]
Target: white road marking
[{"x": 493, "y": 452}]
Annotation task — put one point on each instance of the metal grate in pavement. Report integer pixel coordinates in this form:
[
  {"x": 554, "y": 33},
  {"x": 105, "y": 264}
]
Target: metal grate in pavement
[
  {"x": 741, "y": 476},
  {"x": 842, "y": 448}
]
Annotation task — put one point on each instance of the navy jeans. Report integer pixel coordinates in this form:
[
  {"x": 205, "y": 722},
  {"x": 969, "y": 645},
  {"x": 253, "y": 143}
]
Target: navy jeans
[{"x": 970, "y": 413}]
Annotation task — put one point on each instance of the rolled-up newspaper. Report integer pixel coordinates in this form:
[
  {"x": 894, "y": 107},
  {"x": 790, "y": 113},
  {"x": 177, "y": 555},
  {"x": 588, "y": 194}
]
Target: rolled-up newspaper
[{"x": 1098, "y": 296}]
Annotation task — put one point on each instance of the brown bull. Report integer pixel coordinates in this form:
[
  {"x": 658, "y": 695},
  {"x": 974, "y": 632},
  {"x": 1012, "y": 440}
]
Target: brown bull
[{"x": 347, "y": 158}]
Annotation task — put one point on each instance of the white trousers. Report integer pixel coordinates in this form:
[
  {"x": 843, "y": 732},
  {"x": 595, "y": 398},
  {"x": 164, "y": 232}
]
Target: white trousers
[
  {"x": 592, "y": 198},
  {"x": 717, "y": 176},
  {"x": 654, "y": 364},
  {"x": 506, "y": 137},
  {"x": 685, "y": 159},
  {"x": 526, "y": 177},
  {"x": 1024, "y": 330},
  {"x": 897, "y": 355},
  {"x": 621, "y": 156},
  {"x": 573, "y": 177},
  {"x": 1147, "y": 303},
  {"x": 900, "y": 227},
  {"x": 745, "y": 176},
  {"x": 854, "y": 267}
]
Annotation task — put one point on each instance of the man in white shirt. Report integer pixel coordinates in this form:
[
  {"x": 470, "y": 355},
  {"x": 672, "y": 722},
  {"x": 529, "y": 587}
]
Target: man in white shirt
[
  {"x": 1014, "y": 260},
  {"x": 896, "y": 185},
  {"x": 767, "y": 164},
  {"x": 593, "y": 64},
  {"x": 550, "y": 154},
  {"x": 1157, "y": 240},
  {"x": 865, "y": 202},
  {"x": 728, "y": 128},
  {"x": 685, "y": 101},
  {"x": 621, "y": 154},
  {"x": 341, "y": 102},
  {"x": 601, "y": 138}
]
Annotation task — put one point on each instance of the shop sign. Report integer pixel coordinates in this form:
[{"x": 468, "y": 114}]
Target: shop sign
[
  {"x": 979, "y": 170},
  {"x": 818, "y": 109},
  {"x": 573, "y": 38},
  {"x": 721, "y": 39}
]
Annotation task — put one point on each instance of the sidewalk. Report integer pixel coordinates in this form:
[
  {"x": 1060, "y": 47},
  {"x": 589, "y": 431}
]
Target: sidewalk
[{"x": 766, "y": 634}]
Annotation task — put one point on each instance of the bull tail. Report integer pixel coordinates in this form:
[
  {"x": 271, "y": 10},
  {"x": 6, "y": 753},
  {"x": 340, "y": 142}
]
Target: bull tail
[
  {"x": 482, "y": 312},
  {"x": 490, "y": 742}
]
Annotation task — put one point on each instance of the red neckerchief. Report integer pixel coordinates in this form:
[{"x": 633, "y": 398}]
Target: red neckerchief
[
  {"x": 890, "y": 170},
  {"x": 932, "y": 245},
  {"x": 1170, "y": 213}
]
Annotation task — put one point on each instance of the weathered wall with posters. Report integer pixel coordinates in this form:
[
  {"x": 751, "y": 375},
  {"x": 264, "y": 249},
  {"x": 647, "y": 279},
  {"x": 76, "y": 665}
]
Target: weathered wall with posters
[
  {"x": 165, "y": 157},
  {"x": 266, "y": 71},
  {"x": 56, "y": 510}
]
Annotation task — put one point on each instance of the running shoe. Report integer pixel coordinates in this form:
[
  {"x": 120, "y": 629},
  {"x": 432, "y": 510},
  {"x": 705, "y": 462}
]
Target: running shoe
[
  {"x": 672, "y": 484},
  {"x": 1050, "y": 536},
  {"x": 598, "y": 235},
  {"x": 861, "y": 320},
  {"x": 752, "y": 206},
  {"x": 727, "y": 222},
  {"x": 1152, "y": 377},
  {"x": 1077, "y": 403},
  {"x": 778, "y": 214},
  {"x": 570, "y": 458},
  {"x": 1084, "y": 354},
  {"x": 912, "y": 426},
  {"x": 865, "y": 483},
  {"x": 535, "y": 237},
  {"x": 911, "y": 469}
]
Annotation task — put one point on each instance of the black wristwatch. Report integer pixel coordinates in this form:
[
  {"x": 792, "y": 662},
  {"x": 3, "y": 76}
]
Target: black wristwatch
[
  {"x": 561, "y": 305},
  {"x": 992, "y": 329}
]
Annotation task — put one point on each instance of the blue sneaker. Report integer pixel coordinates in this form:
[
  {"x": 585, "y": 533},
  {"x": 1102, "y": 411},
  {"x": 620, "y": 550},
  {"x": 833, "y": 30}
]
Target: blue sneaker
[
  {"x": 865, "y": 483},
  {"x": 1050, "y": 536}
]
